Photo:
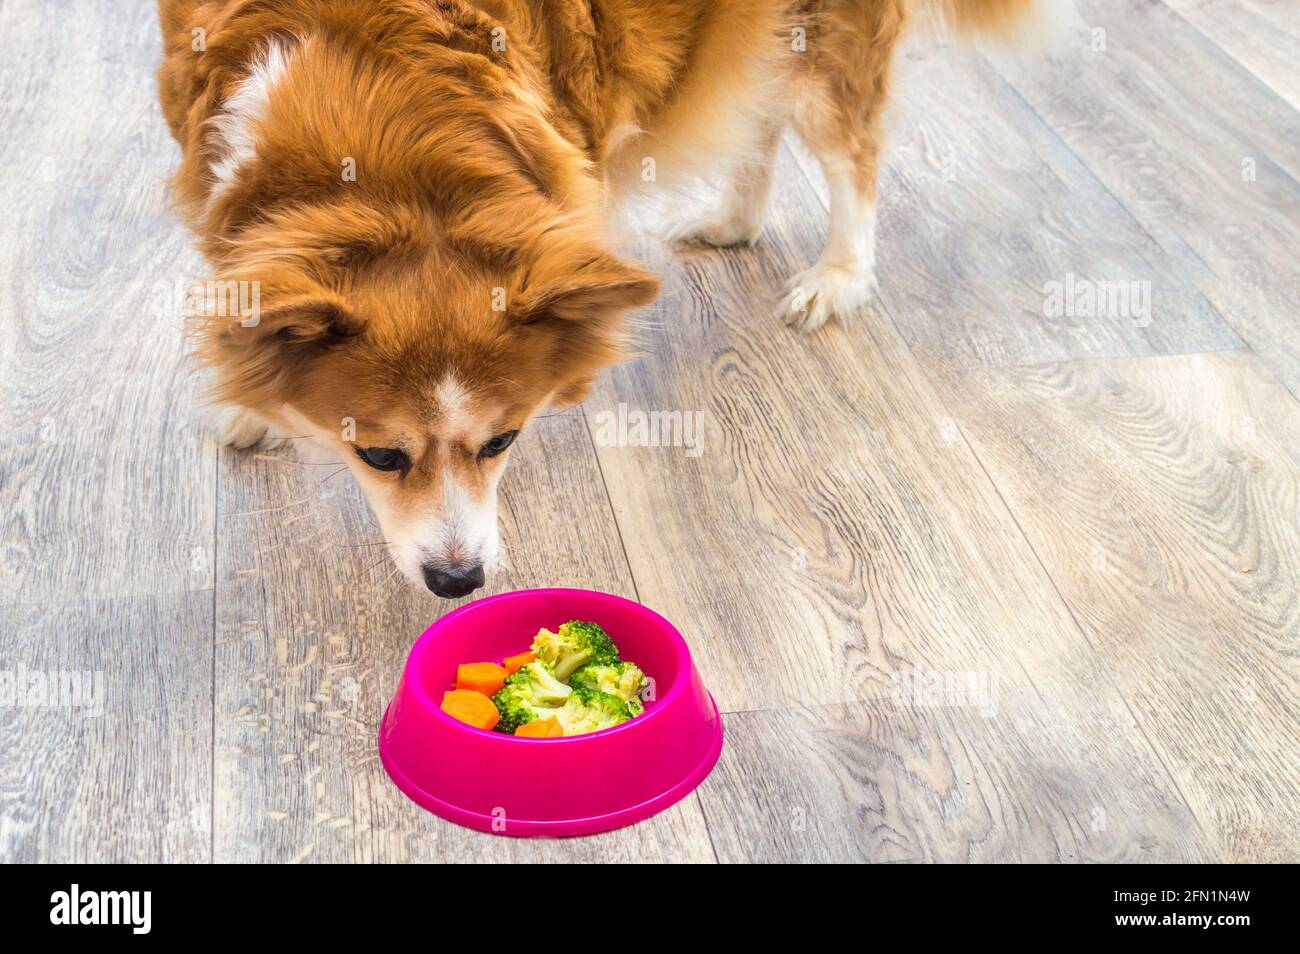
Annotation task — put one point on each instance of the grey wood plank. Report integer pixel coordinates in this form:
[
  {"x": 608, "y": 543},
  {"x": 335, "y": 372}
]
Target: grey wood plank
[
  {"x": 124, "y": 773},
  {"x": 983, "y": 208},
  {"x": 834, "y": 535},
  {"x": 1261, "y": 35},
  {"x": 313, "y": 629},
  {"x": 105, "y": 489},
  {"x": 1199, "y": 151},
  {"x": 1163, "y": 495},
  {"x": 834, "y": 526},
  {"x": 996, "y": 776}
]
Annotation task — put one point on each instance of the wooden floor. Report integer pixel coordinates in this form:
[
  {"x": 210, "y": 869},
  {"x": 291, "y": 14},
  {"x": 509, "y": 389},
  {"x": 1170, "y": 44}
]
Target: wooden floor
[{"x": 1092, "y": 522}]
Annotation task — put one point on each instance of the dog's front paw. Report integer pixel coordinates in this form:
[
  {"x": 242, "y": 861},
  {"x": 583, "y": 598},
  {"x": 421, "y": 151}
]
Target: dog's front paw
[
  {"x": 824, "y": 291},
  {"x": 718, "y": 230},
  {"x": 237, "y": 427}
]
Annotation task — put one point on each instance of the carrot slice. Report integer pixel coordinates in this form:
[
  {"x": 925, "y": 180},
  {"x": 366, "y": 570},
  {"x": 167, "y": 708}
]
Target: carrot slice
[
  {"x": 483, "y": 677},
  {"x": 472, "y": 708},
  {"x": 515, "y": 663},
  {"x": 548, "y": 728}
]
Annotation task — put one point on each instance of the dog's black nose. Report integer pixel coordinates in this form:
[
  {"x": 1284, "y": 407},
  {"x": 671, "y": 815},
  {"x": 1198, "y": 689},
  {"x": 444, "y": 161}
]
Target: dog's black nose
[{"x": 453, "y": 582}]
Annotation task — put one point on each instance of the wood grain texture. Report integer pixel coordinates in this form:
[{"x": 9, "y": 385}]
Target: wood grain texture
[
  {"x": 863, "y": 534},
  {"x": 313, "y": 629},
  {"x": 869, "y": 545},
  {"x": 1008, "y": 778},
  {"x": 1261, "y": 35},
  {"x": 1163, "y": 496},
  {"x": 105, "y": 488},
  {"x": 982, "y": 205},
  {"x": 123, "y": 781},
  {"x": 1199, "y": 151}
]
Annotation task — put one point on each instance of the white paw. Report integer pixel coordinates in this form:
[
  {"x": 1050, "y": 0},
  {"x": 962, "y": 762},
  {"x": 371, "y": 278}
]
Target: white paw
[
  {"x": 237, "y": 426},
  {"x": 824, "y": 291},
  {"x": 718, "y": 230}
]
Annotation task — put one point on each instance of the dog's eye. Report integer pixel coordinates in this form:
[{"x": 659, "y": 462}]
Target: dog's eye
[
  {"x": 497, "y": 444},
  {"x": 384, "y": 458}
]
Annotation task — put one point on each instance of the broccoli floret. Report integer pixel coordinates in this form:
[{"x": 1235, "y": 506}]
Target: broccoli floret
[
  {"x": 531, "y": 693},
  {"x": 587, "y": 710},
  {"x": 577, "y": 644},
  {"x": 622, "y": 679}
]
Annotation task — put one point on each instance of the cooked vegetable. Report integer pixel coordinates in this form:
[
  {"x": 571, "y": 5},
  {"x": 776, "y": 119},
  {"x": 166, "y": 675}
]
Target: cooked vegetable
[
  {"x": 470, "y": 707},
  {"x": 548, "y": 728},
  {"x": 531, "y": 693},
  {"x": 484, "y": 677},
  {"x": 513, "y": 664},
  {"x": 589, "y": 711},
  {"x": 622, "y": 679},
  {"x": 576, "y": 645},
  {"x": 570, "y": 682}
]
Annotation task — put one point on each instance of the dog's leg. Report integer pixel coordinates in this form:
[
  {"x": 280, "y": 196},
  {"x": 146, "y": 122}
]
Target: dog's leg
[
  {"x": 838, "y": 118},
  {"x": 235, "y": 427},
  {"x": 740, "y": 218},
  {"x": 240, "y": 428},
  {"x": 844, "y": 276}
]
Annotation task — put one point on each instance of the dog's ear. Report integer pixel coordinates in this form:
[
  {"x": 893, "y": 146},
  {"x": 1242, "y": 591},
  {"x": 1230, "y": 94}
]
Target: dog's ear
[
  {"x": 579, "y": 293},
  {"x": 573, "y": 280},
  {"x": 256, "y": 347},
  {"x": 299, "y": 321}
]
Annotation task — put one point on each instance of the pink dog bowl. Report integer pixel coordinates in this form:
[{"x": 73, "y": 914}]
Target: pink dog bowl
[{"x": 567, "y": 786}]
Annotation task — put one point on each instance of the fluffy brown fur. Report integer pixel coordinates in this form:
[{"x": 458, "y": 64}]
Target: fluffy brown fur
[{"x": 462, "y": 280}]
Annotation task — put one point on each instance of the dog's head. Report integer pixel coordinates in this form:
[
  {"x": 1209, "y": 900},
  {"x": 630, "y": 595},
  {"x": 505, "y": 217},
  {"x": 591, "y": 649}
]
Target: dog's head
[{"x": 419, "y": 350}]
